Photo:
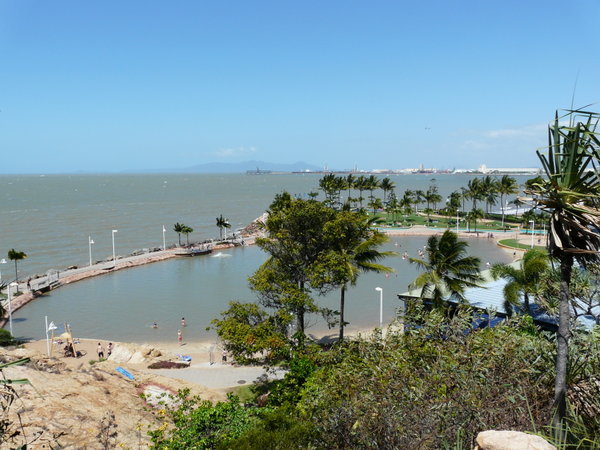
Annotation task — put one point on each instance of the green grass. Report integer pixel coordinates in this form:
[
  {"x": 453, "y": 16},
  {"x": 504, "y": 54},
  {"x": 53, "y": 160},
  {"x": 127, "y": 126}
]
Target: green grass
[
  {"x": 400, "y": 220},
  {"x": 516, "y": 244}
]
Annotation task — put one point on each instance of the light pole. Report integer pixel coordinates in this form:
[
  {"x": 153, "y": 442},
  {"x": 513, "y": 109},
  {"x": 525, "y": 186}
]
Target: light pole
[
  {"x": 380, "y": 306},
  {"x": 2, "y": 261},
  {"x": 457, "y": 220},
  {"x": 113, "y": 242},
  {"x": 10, "y": 286},
  {"x": 90, "y": 242},
  {"x": 164, "y": 242},
  {"x": 532, "y": 222}
]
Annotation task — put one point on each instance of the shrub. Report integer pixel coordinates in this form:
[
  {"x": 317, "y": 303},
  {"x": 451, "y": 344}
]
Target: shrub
[
  {"x": 6, "y": 338},
  {"x": 168, "y": 365}
]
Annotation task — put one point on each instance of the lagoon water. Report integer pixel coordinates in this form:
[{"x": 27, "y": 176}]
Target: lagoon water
[{"x": 50, "y": 218}]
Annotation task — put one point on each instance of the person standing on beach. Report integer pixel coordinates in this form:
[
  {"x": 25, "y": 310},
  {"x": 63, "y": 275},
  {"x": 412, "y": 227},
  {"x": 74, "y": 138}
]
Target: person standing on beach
[
  {"x": 109, "y": 349},
  {"x": 100, "y": 351},
  {"x": 179, "y": 337}
]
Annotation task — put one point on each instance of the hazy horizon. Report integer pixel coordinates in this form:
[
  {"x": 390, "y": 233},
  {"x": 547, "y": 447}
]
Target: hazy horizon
[{"x": 124, "y": 87}]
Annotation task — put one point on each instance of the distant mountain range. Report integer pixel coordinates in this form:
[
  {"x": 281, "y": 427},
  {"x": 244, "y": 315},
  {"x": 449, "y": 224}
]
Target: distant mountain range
[{"x": 242, "y": 167}]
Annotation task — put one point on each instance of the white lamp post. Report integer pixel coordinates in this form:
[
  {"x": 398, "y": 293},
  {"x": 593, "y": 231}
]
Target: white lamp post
[
  {"x": 10, "y": 286},
  {"x": 2, "y": 261},
  {"x": 164, "y": 242},
  {"x": 532, "y": 222},
  {"x": 380, "y": 306},
  {"x": 90, "y": 242},
  {"x": 113, "y": 242}
]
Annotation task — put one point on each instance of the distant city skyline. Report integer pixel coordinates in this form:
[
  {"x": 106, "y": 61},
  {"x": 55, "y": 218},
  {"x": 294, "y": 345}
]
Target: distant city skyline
[{"x": 142, "y": 86}]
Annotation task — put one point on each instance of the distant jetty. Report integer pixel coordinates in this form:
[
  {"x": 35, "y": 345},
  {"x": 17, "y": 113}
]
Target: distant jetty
[{"x": 258, "y": 172}]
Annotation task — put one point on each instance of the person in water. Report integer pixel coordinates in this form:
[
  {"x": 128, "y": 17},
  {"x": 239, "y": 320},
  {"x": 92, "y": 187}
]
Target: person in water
[
  {"x": 183, "y": 321},
  {"x": 154, "y": 325}
]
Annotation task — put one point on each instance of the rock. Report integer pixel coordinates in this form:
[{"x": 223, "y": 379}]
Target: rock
[
  {"x": 134, "y": 354},
  {"x": 511, "y": 440}
]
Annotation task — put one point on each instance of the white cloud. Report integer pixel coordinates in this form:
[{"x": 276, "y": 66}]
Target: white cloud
[{"x": 234, "y": 151}]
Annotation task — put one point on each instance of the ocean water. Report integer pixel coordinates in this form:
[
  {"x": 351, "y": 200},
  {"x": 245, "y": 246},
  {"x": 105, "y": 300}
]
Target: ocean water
[{"x": 50, "y": 218}]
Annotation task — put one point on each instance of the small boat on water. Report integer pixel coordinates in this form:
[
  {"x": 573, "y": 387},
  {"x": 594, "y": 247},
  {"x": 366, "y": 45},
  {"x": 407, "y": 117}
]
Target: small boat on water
[{"x": 193, "y": 251}]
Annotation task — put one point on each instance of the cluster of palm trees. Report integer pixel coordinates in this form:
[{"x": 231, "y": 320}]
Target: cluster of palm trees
[
  {"x": 180, "y": 229},
  {"x": 333, "y": 186}
]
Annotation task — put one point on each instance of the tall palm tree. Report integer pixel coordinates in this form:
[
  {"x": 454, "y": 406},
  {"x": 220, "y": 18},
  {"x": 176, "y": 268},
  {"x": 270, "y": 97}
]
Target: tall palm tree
[
  {"x": 523, "y": 280},
  {"x": 517, "y": 202},
  {"x": 489, "y": 191},
  {"x": 358, "y": 258},
  {"x": 372, "y": 184},
  {"x": 507, "y": 185},
  {"x": 223, "y": 224},
  {"x": 187, "y": 230},
  {"x": 16, "y": 256},
  {"x": 570, "y": 193},
  {"x": 178, "y": 228},
  {"x": 350, "y": 181},
  {"x": 419, "y": 197},
  {"x": 386, "y": 186},
  {"x": 472, "y": 216},
  {"x": 449, "y": 271},
  {"x": 361, "y": 184}
]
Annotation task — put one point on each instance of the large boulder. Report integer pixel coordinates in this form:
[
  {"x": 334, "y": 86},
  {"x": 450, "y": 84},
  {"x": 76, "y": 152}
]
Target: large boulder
[
  {"x": 134, "y": 354},
  {"x": 511, "y": 440}
]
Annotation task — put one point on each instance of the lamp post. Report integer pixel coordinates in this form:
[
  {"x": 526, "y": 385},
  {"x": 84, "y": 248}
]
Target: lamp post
[
  {"x": 2, "y": 261},
  {"x": 113, "y": 242},
  {"x": 532, "y": 222},
  {"x": 457, "y": 220},
  {"x": 164, "y": 242},
  {"x": 380, "y": 306},
  {"x": 10, "y": 286},
  {"x": 90, "y": 242}
]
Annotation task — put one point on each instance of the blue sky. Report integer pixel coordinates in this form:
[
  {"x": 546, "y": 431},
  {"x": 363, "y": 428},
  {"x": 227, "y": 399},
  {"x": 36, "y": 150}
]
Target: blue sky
[{"x": 130, "y": 85}]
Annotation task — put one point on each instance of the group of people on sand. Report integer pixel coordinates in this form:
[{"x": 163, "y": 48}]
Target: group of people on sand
[
  {"x": 100, "y": 350},
  {"x": 179, "y": 333}
]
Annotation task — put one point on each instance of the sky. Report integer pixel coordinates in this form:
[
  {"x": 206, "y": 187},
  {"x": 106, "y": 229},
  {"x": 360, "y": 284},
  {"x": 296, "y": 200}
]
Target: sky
[{"x": 118, "y": 86}]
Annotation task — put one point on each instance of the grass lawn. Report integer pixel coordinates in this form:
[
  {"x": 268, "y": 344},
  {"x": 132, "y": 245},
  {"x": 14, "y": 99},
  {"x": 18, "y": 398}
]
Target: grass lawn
[
  {"x": 515, "y": 244},
  {"x": 400, "y": 220}
]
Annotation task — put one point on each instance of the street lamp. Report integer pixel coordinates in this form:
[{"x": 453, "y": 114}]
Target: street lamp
[
  {"x": 2, "y": 261},
  {"x": 113, "y": 242},
  {"x": 164, "y": 242},
  {"x": 10, "y": 286},
  {"x": 380, "y": 306},
  {"x": 532, "y": 222},
  {"x": 90, "y": 242}
]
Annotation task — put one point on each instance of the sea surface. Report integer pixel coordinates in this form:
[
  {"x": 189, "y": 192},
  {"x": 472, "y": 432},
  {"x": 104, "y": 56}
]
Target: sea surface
[{"x": 51, "y": 218}]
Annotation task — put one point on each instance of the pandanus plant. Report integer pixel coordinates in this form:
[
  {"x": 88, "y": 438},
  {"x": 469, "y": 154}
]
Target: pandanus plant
[{"x": 570, "y": 193}]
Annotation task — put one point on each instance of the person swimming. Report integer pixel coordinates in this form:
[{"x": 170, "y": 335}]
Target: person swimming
[{"x": 154, "y": 325}]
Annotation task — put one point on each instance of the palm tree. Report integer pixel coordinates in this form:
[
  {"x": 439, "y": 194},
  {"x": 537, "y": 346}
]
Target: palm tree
[
  {"x": 571, "y": 194},
  {"x": 523, "y": 280},
  {"x": 187, "y": 230},
  {"x": 350, "y": 181},
  {"x": 449, "y": 271},
  {"x": 506, "y": 186},
  {"x": 489, "y": 191},
  {"x": 517, "y": 202},
  {"x": 472, "y": 216},
  {"x": 361, "y": 185},
  {"x": 372, "y": 184},
  {"x": 386, "y": 186},
  {"x": 419, "y": 197},
  {"x": 223, "y": 223},
  {"x": 356, "y": 252},
  {"x": 178, "y": 228},
  {"x": 16, "y": 256}
]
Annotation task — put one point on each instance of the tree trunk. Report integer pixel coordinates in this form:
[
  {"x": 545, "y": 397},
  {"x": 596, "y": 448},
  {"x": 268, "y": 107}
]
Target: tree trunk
[
  {"x": 562, "y": 346},
  {"x": 16, "y": 272},
  {"x": 526, "y": 302},
  {"x": 342, "y": 299}
]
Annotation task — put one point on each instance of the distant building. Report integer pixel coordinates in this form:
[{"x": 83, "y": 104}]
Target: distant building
[{"x": 509, "y": 170}]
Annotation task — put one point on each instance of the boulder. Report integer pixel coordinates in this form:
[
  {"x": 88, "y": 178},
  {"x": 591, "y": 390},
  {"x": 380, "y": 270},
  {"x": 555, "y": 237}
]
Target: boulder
[
  {"x": 134, "y": 354},
  {"x": 511, "y": 440}
]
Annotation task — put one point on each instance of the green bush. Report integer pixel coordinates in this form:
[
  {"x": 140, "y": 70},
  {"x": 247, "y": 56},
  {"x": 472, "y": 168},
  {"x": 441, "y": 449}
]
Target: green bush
[
  {"x": 431, "y": 386},
  {"x": 6, "y": 338}
]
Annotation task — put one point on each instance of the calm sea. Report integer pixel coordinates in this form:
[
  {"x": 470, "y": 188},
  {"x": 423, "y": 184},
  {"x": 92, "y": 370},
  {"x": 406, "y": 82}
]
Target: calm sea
[{"x": 50, "y": 218}]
